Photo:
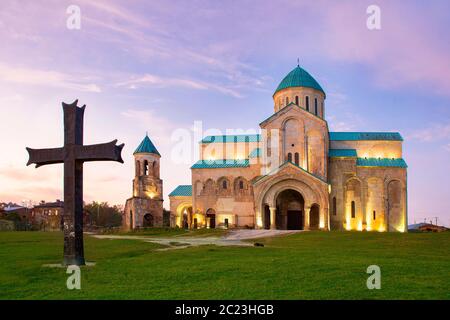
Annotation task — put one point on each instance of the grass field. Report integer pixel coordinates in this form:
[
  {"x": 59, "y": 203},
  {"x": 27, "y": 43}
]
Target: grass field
[{"x": 310, "y": 265}]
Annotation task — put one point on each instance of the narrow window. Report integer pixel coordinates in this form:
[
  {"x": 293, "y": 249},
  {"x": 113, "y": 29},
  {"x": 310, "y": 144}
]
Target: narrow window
[
  {"x": 315, "y": 106},
  {"x": 131, "y": 219},
  {"x": 287, "y": 100},
  {"x": 290, "y": 157},
  {"x": 297, "y": 158},
  {"x": 353, "y": 209},
  {"x": 224, "y": 184},
  {"x": 334, "y": 206},
  {"x": 241, "y": 184},
  {"x": 374, "y": 214},
  {"x": 296, "y": 100},
  {"x": 145, "y": 167},
  {"x": 307, "y": 103}
]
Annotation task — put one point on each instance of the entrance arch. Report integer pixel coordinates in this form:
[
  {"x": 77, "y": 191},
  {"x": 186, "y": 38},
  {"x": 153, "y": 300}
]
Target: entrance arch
[
  {"x": 314, "y": 217},
  {"x": 307, "y": 190},
  {"x": 183, "y": 215},
  {"x": 290, "y": 206},
  {"x": 211, "y": 219},
  {"x": 148, "y": 220}
]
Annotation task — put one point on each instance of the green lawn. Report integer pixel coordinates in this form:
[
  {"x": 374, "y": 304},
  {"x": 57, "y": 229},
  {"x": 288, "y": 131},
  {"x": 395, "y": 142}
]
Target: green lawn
[{"x": 310, "y": 265}]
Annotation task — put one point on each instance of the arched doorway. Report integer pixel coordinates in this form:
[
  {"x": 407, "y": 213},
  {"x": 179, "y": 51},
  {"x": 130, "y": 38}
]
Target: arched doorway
[
  {"x": 184, "y": 215},
  {"x": 211, "y": 218},
  {"x": 314, "y": 217},
  {"x": 148, "y": 220},
  {"x": 290, "y": 210}
]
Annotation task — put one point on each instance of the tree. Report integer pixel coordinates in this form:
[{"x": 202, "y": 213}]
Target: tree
[{"x": 104, "y": 215}]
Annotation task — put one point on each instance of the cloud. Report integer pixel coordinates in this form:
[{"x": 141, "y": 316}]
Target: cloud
[
  {"x": 345, "y": 122},
  {"x": 25, "y": 174},
  {"x": 158, "y": 128},
  {"x": 436, "y": 132},
  {"x": 39, "y": 77},
  {"x": 164, "y": 82},
  {"x": 405, "y": 51}
]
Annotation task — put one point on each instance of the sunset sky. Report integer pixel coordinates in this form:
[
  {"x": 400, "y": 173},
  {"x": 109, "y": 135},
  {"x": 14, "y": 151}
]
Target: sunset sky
[{"x": 159, "y": 66}]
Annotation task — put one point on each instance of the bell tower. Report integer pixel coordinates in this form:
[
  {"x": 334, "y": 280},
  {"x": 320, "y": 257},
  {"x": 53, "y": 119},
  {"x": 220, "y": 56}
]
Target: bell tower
[{"x": 145, "y": 208}]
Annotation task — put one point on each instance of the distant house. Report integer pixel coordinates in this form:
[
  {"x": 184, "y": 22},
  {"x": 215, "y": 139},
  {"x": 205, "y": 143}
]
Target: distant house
[
  {"x": 22, "y": 213},
  {"x": 48, "y": 215},
  {"x": 426, "y": 227},
  {"x": 15, "y": 217}
]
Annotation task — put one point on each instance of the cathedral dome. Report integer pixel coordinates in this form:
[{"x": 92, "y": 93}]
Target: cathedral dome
[
  {"x": 299, "y": 78},
  {"x": 146, "y": 146}
]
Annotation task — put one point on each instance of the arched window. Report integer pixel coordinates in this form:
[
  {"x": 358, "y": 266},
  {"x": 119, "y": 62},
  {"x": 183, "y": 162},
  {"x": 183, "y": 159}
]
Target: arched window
[
  {"x": 315, "y": 106},
  {"x": 145, "y": 167},
  {"x": 290, "y": 157},
  {"x": 297, "y": 158},
  {"x": 241, "y": 185},
  {"x": 287, "y": 100},
  {"x": 353, "y": 209},
  {"x": 296, "y": 100},
  {"x": 224, "y": 184},
  {"x": 334, "y": 206},
  {"x": 374, "y": 215},
  {"x": 307, "y": 103}
]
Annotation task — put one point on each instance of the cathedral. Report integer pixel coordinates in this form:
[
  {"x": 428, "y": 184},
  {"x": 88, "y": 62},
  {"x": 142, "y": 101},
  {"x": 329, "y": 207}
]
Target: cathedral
[{"x": 296, "y": 174}]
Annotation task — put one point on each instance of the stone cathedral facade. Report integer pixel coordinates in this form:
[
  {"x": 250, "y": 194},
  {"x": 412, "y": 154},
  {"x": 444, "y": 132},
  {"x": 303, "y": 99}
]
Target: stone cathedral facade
[
  {"x": 296, "y": 174},
  {"x": 145, "y": 207}
]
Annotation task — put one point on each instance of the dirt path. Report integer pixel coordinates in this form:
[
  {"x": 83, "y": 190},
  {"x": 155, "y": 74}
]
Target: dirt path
[{"x": 232, "y": 238}]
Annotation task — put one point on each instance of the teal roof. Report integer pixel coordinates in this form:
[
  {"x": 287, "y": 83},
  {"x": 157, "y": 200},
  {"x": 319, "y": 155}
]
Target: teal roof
[
  {"x": 347, "y": 136},
  {"x": 381, "y": 162},
  {"x": 299, "y": 77},
  {"x": 182, "y": 191},
  {"x": 146, "y": 146},
  {"x": 334, "y": 153},
  {"x": 232, "y": 138},
  {"x": 226, "y": 163},
  {"x": 256, "y": 153}
]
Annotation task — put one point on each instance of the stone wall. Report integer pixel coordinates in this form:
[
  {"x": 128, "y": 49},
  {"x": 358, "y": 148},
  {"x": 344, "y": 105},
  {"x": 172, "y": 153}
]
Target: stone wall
[{"x": 378, "y": 193}]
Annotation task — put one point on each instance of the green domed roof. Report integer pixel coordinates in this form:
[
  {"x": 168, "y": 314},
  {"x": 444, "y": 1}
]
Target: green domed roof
[
  {"x": 146, "y": 146},
  {"x": 299, "y": 78}
]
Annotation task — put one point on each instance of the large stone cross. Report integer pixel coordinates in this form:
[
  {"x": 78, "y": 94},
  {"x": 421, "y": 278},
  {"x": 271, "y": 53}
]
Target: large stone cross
[{"x": 73, "y": 155}]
